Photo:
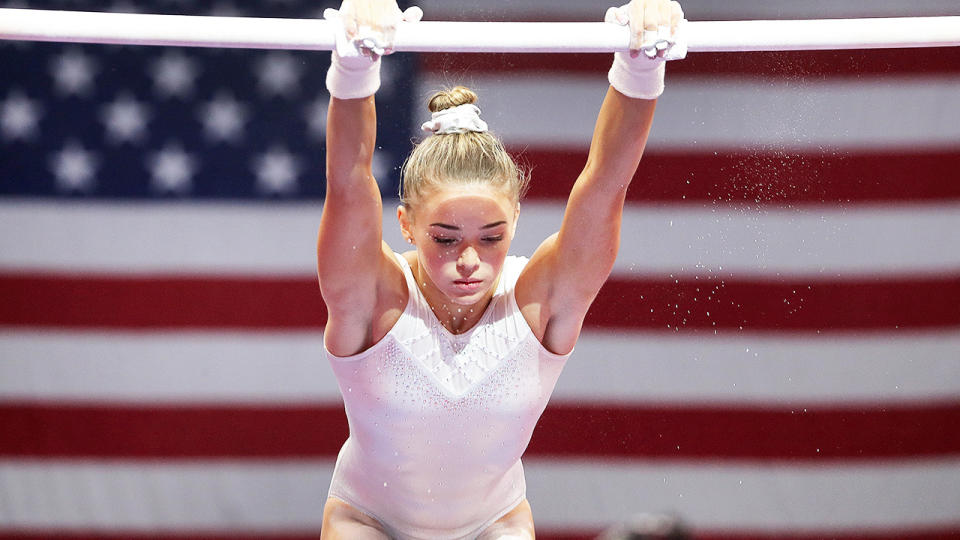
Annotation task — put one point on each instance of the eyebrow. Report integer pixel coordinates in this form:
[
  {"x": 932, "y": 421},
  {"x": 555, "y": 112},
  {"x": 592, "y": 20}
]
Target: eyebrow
[{"x": 455, "y": 228}]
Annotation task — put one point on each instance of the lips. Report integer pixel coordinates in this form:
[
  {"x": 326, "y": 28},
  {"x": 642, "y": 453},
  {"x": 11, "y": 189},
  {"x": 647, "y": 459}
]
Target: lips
[{"x": 468, "y": 285}]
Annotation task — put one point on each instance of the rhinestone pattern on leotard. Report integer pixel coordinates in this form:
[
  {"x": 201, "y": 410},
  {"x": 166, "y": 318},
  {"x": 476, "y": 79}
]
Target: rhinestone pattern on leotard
[{"x": 459, "y": 361}]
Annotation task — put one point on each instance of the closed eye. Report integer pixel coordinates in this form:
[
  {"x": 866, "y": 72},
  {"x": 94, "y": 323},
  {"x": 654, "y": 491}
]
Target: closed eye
[
  {"x": 444, "y": 240},
  {"x": 497, "y": 238}
]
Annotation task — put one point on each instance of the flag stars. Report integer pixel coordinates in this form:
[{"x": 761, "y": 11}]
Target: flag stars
[
  {"x": 278, "y": 74},
  {"x": 123, "y": 7},
  {"x": 277, "y": 172},
  {"x": 317, "y": 117},
  {"x": 174, "y": 75},
  {"x": 19, "y": 117},
  {"x": 73, "y": 73},
  {"x": 74, "y": 168},
  {"x": 225, "y": 9},
  {"x": 125, "y": 120},
  {"x": 172, "y": 169},
  {"x": 381, "y": 165},
  {"x": 223, "y": 119}
]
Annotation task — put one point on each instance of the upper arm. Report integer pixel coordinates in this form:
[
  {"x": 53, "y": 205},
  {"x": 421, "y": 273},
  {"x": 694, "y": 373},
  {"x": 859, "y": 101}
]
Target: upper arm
[{"x": 568, "y": 269}]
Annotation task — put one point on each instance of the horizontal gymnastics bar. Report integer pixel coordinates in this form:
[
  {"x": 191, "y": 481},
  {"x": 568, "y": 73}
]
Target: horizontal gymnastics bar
[{"x": 490, "y": 37}]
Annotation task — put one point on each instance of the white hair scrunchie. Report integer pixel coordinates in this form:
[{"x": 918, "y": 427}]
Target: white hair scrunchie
[{"x": 459, "y": 119}]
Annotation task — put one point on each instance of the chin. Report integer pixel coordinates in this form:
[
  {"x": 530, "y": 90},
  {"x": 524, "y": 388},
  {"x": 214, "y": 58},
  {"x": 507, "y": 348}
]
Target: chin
[{"x": 462, "y": 299}]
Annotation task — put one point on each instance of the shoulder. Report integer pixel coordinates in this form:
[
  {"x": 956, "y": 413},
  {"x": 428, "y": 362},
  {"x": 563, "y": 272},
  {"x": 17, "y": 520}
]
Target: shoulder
[
  {"x": 555, "y": 324},
  {"x": 409, "y": 256}
]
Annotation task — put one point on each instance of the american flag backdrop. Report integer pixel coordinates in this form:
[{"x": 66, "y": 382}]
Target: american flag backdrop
[{"x": 777, "y": 354}]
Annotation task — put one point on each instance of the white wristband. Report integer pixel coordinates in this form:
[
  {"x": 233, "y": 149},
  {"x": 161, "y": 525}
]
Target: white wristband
[
  {"x": 352, "y": 78},
  {"x": 640, "y": 77}
]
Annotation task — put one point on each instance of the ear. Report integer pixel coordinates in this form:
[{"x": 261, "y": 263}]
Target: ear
[
  {"x": 516, "y": 219},
  {"x": 406, "y": 222}
]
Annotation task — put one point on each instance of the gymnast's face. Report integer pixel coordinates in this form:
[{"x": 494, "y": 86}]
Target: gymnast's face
[{"x": 462, "y": 235}]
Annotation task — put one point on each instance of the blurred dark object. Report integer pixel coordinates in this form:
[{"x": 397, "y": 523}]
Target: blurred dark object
[{"x": 648, "y": 527}]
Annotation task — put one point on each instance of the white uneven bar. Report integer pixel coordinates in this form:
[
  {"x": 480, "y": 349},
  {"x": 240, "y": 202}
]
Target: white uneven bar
[{"x": 488, "y": 37}]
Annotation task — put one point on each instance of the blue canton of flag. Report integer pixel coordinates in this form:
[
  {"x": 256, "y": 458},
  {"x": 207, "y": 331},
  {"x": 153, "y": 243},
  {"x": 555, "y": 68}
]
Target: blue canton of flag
[{"x": 104, "y": 121}]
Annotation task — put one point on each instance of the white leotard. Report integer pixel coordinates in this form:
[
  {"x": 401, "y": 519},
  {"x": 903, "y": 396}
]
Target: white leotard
[{"x": 438, "y": 421}]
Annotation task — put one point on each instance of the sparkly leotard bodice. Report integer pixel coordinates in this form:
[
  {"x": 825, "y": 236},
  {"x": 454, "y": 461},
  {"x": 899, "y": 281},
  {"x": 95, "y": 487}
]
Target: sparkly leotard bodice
[{"x": 438, "y": 421}]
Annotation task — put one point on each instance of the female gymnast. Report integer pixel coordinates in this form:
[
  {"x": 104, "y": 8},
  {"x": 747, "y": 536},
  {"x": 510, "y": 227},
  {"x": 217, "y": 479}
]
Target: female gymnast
[{"x": 447, "y": 354}]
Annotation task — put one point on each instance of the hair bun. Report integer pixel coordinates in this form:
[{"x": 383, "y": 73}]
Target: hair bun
[{"x": 446, "y": 99}]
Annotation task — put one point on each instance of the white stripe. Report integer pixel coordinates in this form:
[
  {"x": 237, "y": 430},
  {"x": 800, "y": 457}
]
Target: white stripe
[
  {"x": 281, "y": 495},
  {"x": 768, "y": 498},
  {"x": 284, "y": 368},
  {"x": 257, "y": 367},
  {"x": 699, "y": 10},
  {"x": 813, "y": 242},
  {"x": 159, "y": 237},
  {"x": 763, "y": 370},
  {"x": 725, "y": 113},
  {"x": 248, "y": 496}
]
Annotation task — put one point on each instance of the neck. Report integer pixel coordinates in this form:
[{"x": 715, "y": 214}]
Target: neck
[{"x": 457, "y": 318}]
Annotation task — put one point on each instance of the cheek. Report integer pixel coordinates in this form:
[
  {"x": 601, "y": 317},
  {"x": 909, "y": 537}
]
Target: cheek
[
  {"x": 436, "y": 258},
  {"x": 495, "y": 255}
]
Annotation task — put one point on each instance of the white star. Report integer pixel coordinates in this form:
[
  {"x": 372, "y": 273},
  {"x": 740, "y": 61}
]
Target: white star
[
  {"x": 74, "y": 167},
  {"x": 125, "y": 119},
  {"x": 19, "y": 116},
  {"x": 172, "y": 169},
  {"x": 222, "y": 9},
  {"x": 317, "y": 117},
  {"x": 223, "y": 118},
  {"x": 173, "y": 75},
  {"x": 279, "y": 74},
  {"x": 73, "y": 73},
  {"x": 380, "y": 166},
  {"x": 277, "y": 171},
  {"x": 123, "y": 7}
]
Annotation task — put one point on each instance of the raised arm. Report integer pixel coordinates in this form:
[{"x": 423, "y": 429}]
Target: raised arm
[
  {"x": 352, "y": 260},
  {"x": 568, "y": 269}
]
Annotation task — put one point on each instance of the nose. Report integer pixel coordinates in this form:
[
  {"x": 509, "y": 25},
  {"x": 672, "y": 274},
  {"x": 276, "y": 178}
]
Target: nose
[{"x": 468, "y": 261}]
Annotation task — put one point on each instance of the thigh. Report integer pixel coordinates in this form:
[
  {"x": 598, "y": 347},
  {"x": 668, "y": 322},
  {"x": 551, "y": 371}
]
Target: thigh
[
  {"x": 516, "y": 525},
  {"x": 344, "y": 522}
]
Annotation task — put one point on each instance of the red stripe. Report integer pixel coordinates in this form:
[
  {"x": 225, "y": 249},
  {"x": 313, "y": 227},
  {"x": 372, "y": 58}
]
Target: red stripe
[
  {"x": 815, "y": 433},
  {"x": 763, "y": 177},
  {"x": 763, "y": 306},
  {"x": 945, "y": 532},
  {"x": 689, "y": 304},
  {"x": 160, "y": 302},
  {"x": 815, "y": 64},
  {"x": 72, "y": 534},
  {"x": 724, "y": 432}
]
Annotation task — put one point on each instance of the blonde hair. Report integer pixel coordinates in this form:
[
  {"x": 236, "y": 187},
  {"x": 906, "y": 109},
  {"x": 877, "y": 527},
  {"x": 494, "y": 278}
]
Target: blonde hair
[{"x": 460, "y": 158}]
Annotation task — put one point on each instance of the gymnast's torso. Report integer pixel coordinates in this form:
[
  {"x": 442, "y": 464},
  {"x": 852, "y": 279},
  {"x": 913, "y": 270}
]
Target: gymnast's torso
[{"x": 438, "y": 421}]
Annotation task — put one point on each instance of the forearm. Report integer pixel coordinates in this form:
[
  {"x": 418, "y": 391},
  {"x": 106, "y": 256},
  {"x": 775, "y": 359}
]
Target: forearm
[
  {"x": 351, "y": 139},
  {"x": 619, "y": 138},
  {"x": 591, "y": 223}
]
